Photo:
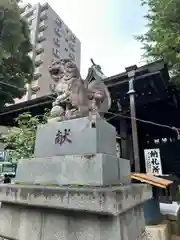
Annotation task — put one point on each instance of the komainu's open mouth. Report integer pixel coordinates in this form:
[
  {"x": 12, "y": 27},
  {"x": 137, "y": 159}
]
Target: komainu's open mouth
[{"x": 54, "y": 70}]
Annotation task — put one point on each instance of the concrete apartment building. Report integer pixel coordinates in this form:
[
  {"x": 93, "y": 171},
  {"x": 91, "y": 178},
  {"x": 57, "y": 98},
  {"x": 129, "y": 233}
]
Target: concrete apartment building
[{"x": 51, "y": 39}]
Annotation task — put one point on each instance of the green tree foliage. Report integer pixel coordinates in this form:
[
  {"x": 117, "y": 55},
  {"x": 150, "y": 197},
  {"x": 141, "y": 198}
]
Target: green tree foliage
[
  {"x": 162, "y": 39},
  {"x": 16, "y": 67},
  {"x": 21, "y": 139}
]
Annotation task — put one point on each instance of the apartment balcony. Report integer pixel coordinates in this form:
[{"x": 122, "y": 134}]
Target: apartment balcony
[
  {"x": 35, "y": 86},
  {"x": 44, "y": 6},
  {"x": 44, "y": 15},
  {"x": 58, "y": 22},
  {"x": 73, "y": 38},
  {"x": 41, "y": 37},
  {"x": 57, "y": 41},
  {"x": 24, "y": 7},
  {"x": 39, "y": 48},
  {"x": 42, "y": 25},
  {"x": 72, "y": 47},
  {"x": 39, "y": 59},
  {"x": 37, "y": 73},
  {"x": 72, "y": 57},
  {"x": 27, "y": 13}
]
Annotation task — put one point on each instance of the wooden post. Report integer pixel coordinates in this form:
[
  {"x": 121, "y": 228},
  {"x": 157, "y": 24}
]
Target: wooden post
[{"x": 131, "y": 77}]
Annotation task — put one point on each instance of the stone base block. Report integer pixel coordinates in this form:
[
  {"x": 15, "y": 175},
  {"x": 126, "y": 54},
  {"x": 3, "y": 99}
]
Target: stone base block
[
  {"x": 160, "y": 231},
  {"x": 111, "y": 201},
  {"x": 99, "y": 169},
  {"x": 84, "y": 137}
]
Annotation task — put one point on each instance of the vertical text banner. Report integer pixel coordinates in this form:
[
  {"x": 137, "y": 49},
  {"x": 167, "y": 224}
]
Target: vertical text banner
[{"x": 153, "y": 161}]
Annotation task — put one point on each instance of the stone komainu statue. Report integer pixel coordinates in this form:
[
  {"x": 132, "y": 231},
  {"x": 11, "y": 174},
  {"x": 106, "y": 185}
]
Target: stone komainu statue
[{"x": 77, "y": 97}]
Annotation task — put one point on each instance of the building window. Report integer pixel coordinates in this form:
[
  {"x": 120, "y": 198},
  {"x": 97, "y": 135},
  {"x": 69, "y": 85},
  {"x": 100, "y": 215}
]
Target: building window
[
  {"x": 56, "y": 52},
  {"x": 58, "y": 32},
  {"x": 72, "y": 47},
  {"x": 59, "y": 22},
  {"x": 57, "y": 41},
  {"x": 72, "y": 57},
  {"x": 73, "y": 38},
  {"x": 67, "y": 31},
  {"x": 63, "y": 33}
]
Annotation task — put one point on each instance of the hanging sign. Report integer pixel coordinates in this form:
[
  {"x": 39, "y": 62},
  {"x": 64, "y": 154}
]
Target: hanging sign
[{"x": 153, "y": 161}]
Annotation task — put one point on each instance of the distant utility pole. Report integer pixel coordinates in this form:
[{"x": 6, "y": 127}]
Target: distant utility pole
[{"x": 131, "y": 77}]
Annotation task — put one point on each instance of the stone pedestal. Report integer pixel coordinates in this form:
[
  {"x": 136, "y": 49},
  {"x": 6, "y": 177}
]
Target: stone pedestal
[
  {"x": 82, "y": 153},
  {"x": 86, "y": 137},
  {"x": 98, "y": 169},
  {"x": 43, "y": 213},
  {"x": 85, "y": 156}
]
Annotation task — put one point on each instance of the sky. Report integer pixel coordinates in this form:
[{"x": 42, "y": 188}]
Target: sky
[{"x": 106, "y": 29}]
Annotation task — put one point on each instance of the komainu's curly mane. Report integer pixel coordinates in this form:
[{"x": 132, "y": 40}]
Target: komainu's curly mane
[{"x": 64, "y": 69}]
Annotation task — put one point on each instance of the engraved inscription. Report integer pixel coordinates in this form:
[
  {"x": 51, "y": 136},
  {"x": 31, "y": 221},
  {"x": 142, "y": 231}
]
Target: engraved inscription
[{"x": 62, "y": 137}]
